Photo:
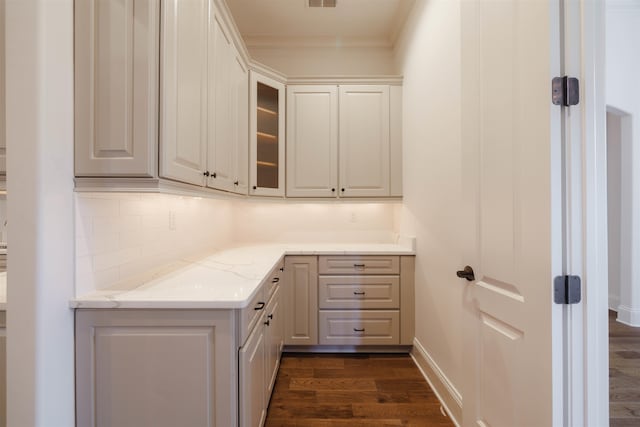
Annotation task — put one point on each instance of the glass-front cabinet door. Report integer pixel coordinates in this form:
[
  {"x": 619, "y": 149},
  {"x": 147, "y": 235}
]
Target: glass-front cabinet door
[{"x": 267, "y": 136}]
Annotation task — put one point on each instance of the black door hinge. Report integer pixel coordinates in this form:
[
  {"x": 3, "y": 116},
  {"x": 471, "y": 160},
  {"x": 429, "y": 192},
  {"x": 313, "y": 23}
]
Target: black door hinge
[
  {"x": 566, "y": 290},
  {"x": 565, "y": 91}
]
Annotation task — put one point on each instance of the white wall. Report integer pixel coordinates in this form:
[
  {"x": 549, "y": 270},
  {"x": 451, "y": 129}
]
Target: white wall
[
  {"x": 614, "y": 204},
  {"x": 39, "y": 99},
  {"x": 326, "y": 61},
  {"x": 429, "y": 58},
  {"x": 623, "y": 93}
]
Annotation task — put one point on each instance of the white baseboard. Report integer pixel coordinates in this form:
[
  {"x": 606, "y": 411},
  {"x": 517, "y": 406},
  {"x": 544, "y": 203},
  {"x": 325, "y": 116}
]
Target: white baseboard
[
  {"x": 446, "y": 392},
  {"x": 628, "y": 316}
]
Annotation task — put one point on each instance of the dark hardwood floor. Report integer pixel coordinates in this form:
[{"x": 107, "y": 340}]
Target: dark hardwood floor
[
  {"x": 624, "y": 374},
  {"x": 355, "y": 390}
]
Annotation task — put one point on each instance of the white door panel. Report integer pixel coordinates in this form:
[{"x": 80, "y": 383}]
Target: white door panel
[
  {"x": 184, "y": 87},
  {"x": 221, "y": 159},
  {"x": 312, "y": 141},
  {"x": 364, "y": 141},
  {"x": 508, "y": 143}
]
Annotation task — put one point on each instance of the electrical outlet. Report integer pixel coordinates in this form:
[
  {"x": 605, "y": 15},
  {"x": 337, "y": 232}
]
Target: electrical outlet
[{"x": 352, "y": 217}]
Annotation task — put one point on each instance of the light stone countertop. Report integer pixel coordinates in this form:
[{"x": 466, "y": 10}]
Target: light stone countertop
[{"x": 227, "y": 279}]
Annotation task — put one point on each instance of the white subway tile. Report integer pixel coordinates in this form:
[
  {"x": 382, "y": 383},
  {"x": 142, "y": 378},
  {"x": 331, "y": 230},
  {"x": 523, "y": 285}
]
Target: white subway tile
[{"x": 156, "y": 221}]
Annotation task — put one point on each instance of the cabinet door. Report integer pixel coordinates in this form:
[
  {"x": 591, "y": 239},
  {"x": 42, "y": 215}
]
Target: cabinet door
[
  {"x": 266, "y": 166},
  {"x": 312, "y": 141},
  {"x": 252, "y": 379},
  {"x": 116, "y": 87},
  {"x": 240, "y": 97},
  {"x": 184, "y": 90},
  {"x": 364, "y": 141},
  {"x": 221, "y": 146},
  {"x": 274, "y": 338},
  {"x": 301, "y": 285},
  {"x": 161, "y": 368}
]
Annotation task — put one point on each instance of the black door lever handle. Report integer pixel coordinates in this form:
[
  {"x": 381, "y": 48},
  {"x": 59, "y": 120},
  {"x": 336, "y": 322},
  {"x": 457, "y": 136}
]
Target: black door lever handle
[{"x": 467, "y": 273}]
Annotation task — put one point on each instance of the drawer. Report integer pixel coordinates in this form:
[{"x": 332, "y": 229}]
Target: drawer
[
  {"x": 380, "y": 327},
  {"x": 356, "y": 292},
  {"x": 251, "y": 314},
  {"x": 374, "y": 264},
  {"x": 275, "y": 277}
]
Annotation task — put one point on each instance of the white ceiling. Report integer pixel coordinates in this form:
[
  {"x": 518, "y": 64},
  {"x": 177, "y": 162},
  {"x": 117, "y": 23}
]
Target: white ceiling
[{"x": 292, "y": 22}]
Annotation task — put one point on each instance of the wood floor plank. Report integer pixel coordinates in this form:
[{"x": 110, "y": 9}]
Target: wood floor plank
[
  {"x": 624, "y": 374},
  {"x": 353, "y": 384},
  {"x": 358, "y": 390},
  {"x": 395, "y": 410}
]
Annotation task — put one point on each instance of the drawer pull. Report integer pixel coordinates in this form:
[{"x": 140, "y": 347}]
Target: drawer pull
[
  {"x": 358, "y": 293},
  {"x": 267, "y": 323},
  {"x": 260, "y": 306},
  {"x": 358, "y": 330},
  {"x": 358, "y": 265},
  {"x": 275, "y": 280}
]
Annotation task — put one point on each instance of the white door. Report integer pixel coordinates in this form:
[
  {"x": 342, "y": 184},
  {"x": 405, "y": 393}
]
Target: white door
[
  {"x": 183, "y": 104},
  {"x": 252, "y": 379},
  {"x": 312, "y": 141},
  {"x": 364, "y": 141},
  {"x": 221, "y": 151},
  {"x": 511, "y": 182}
]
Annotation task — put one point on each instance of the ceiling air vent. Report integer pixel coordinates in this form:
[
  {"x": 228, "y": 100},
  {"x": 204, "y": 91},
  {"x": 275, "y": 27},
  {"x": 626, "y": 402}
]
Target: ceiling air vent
[{"x": 322, "y": 3}]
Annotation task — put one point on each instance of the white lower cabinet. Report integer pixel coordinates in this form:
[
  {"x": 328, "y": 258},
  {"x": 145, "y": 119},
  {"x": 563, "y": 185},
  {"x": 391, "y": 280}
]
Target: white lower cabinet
[
  {"x": 301, "y": 300},
  {"x": 187, "y": 367},
  {"x": 252, "y": 377},
  {"x": 274, "y": 341},
  {"x": 160, "y": 368},
  {"x": 259, "y": 359},
  {"x": 354, "y": 300},
  {"x": 218, "y": 367}
]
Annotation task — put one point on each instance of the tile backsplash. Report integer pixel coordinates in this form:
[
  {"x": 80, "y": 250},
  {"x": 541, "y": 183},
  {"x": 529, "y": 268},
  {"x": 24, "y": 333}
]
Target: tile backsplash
[{"x": 122, "y": 237}]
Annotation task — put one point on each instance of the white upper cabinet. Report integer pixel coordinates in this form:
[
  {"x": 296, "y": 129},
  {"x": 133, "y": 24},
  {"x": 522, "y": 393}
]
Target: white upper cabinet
[
  {"x": 364, "y": 141},
  {"x": 184, "y": 90},
  {"x": 205, "y": 99},
  {"x": 116, "y": 86},
  {"x": 344, "y": 141},
  {"x": 163, "y": 90},
  {"x": 266, "y": 136},
  {"x": 312, "y": 141},
  {"x": 223, "y": 111}
]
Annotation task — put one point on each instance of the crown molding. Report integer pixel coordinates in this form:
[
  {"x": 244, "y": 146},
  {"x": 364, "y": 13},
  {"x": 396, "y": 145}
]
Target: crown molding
[
  {"x": 345, "y": 80},
  {"x": 265, "y": 42}
]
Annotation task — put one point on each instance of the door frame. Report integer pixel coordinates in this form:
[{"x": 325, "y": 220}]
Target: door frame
[{"x": 587, "y": 349}]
